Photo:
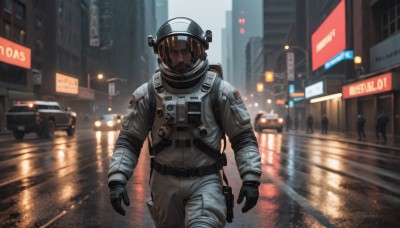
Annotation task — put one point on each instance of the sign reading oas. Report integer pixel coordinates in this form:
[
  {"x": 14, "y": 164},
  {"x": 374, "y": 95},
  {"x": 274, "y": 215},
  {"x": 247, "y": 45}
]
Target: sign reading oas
[
  {"x": 369, "y": 86},
  {"x": 15, "y": 54},
  {"x": 66, "y": 84}
]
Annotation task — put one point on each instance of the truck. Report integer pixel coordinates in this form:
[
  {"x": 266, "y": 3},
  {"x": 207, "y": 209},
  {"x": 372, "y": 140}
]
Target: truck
[{"x": 40, "y": 117}]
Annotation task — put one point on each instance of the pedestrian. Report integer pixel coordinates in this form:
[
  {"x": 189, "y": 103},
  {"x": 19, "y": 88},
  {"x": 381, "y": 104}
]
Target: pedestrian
[
  {"x": 360, "y": 128},
  {"x": 288, "y": 122},
  {"x": 187, "y": 109},
  {"x": 310, "y": 123},
  {"x": 296, "y": 122},
  {"x": 324, "y": 125},
  {"x": 381, "y": 122}
]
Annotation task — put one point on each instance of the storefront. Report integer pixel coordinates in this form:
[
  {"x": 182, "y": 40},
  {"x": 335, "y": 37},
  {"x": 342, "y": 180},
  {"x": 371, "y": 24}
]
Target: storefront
[
  {"x": 324, "y": 98},
  {"x": 15, "y": 81},
  {"x": 370, "y": 97}
]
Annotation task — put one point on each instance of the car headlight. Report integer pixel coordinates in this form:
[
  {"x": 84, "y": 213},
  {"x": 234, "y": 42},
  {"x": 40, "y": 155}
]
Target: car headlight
[
  {"x": 110, "y": 123},
  {"x": 263, "y": 120},
  {"x": 97, "y": 123},
  {"x": 280, "y": 120}
]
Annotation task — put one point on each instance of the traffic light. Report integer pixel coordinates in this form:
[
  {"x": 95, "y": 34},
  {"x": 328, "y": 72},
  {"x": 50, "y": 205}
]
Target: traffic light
[
  {"x": 269, "y": 76},
  {"x": 260, "y": 87}
]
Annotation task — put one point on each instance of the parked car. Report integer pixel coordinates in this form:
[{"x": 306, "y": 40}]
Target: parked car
[
  {"x": 41, "y": 117},
  {"x": 108, "y": 122},
  {"x": 268, "y": 121}
]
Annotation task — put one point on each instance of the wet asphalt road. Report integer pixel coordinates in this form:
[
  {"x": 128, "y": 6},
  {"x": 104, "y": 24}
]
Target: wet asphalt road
[{"x": 306, "y": 182}]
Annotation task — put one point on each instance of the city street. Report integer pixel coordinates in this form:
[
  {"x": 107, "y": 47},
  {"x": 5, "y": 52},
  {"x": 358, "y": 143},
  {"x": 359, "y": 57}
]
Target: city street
[{"x": 307, "y": 182}]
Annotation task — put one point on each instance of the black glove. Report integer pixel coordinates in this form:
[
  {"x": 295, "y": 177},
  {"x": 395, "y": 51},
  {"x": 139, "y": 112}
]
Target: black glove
[
  {"x": 250, "y": 190},
  {"x": 118, "y": 193}
]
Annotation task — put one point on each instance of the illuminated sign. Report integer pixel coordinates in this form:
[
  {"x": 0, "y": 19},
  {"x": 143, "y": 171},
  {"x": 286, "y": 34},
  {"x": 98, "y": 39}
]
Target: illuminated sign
[
  {"x": 291, "y": 88},
  {"x": 369, "y": 86},
  {"x": 330, "y": 38},
  {"x": 290, "y": 66},
  {"x": 94, "y": 24},
  {"x": 344, "y": 55},
  {"x": 314, "y": 90},
  {"x": 15, "y": 54},
  {"x": 66, "y": 84},
  {"x": 280, "y": 102},
  {"x": 297, "y": 95}
]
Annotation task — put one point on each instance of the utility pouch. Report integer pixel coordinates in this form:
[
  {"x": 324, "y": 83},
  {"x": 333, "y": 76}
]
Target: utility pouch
[{"x": 229, "y": 199}]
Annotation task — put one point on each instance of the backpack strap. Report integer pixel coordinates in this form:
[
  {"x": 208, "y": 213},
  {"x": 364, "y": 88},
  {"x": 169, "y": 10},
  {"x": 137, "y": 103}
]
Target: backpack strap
[
  {"x": 216, "y": 108},
  {"x": 155, "y": 80}
]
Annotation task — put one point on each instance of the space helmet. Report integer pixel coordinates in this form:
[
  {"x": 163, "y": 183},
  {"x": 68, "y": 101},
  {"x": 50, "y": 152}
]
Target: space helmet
[{"x": 180, "y": 45}]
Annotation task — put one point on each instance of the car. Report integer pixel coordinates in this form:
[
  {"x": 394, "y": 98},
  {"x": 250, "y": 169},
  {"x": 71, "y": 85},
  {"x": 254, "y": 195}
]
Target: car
[
  {"x": 41, "y": 117},
  {"x": 108, "y": 122},
  {"x": 268, "y": 121}
]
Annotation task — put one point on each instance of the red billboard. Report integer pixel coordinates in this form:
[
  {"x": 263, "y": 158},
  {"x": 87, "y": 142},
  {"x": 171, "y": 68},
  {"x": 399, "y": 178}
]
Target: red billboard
[
  {"x": 330, "y": 38},
  {"x": 15, "y": 54},
  {"x": 369, "y": 86}
]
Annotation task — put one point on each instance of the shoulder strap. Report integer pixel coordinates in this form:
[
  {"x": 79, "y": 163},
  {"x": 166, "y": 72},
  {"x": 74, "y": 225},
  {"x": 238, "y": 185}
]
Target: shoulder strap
[
  {"x": 215, "y": 107},
  {"x": 152, "y": 102}
]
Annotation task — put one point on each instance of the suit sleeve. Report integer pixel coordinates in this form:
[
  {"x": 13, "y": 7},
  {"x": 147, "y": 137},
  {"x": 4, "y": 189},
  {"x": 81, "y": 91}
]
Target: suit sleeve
[
  {"x": 132, "y": 135},
  {"x": 237, "y": 125}
]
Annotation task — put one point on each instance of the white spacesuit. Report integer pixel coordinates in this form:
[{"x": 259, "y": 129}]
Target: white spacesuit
[{"x": 186, "y": 131}]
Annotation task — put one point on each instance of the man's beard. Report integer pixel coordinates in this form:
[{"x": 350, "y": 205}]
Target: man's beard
[{"x": 181, "y": 67}]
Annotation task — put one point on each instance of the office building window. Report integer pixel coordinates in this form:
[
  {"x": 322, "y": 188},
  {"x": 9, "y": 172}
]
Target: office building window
[
  {"x": 390, "y": 18},
  {"x": 38, "y": 47},
  {"x": 21, "y": 36},
  {"x": 20, "y": 12},
  {"x": 38, "y": 23},
  {"x": 7, "y": 6},
  {"x": 7, "y": 30}
]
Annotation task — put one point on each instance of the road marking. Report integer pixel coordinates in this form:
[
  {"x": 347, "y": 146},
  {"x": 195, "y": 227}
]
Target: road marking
[
  {"x": 303, "y": 202},
  {"x": 54, "y": 219}
]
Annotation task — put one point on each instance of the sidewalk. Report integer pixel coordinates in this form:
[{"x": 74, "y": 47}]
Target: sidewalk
[{"x": 393, "y": 142}]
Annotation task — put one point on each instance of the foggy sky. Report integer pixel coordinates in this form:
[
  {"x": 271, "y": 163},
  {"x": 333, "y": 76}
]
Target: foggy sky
[{"x": 209, "y": 14}]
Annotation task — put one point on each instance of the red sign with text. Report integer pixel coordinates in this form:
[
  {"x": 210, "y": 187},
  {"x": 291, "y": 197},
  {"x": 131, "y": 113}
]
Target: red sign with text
[
  {"x": 15, "y": 54},
  {"x": 373, "y": 85},
  {"x": 330, "y": 37}
]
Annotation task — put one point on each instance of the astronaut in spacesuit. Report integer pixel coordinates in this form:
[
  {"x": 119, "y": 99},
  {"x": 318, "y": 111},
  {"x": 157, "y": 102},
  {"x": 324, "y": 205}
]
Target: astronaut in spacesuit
[{"x": 185, "y": 134}]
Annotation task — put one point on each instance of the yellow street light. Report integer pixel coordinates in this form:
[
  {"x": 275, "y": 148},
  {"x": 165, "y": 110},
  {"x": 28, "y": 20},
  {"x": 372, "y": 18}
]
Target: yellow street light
[{"x": 357, "y": 60}]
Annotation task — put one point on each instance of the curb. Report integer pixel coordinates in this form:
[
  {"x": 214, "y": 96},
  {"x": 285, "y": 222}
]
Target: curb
[{"x": 344, "y": 140}]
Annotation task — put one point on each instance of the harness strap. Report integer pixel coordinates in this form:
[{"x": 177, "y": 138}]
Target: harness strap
[{"x": 185, "y": 172}]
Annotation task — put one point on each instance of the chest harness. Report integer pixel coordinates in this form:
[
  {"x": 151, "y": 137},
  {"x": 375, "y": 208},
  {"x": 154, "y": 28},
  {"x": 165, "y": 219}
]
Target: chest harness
[{"x": 183, "y": 114}]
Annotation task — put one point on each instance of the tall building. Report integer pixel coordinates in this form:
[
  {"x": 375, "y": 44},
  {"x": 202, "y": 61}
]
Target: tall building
[
  {"x": 255, "y": 75},
  {"x": 131, "y": 57},
  {"x": 226, "y": 41},
  {"x": 246, "y": 23},
  {"x": 279, "y": 16},
  {"x": 15, "y": 54},
  {"x": 161, "y": 12}
]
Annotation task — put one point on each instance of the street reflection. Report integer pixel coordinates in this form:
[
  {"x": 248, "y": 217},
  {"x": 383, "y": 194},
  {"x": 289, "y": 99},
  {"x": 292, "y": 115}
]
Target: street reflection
[
  {"x": 66, "y": 162},
  {"x": 25, "y": 165},
  {"x": 110, "y": 142},
  {"x": 328, "y": 202}
]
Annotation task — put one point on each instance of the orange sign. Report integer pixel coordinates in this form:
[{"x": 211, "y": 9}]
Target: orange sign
[
  {"x": 66, "y": 84},
  {"x": 280, "y": 102},
  {"x": 15, "y": 54},
  {"x": 373, "y": 85}
]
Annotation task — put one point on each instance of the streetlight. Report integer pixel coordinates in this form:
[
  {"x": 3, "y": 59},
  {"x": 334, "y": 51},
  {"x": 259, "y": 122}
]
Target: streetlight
[
  {"x": 287, "y": 47},
  {"x": 99, "y": 76}
]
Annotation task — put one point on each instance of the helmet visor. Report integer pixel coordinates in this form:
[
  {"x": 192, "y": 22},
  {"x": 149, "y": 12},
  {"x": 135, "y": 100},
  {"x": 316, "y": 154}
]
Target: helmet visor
[{"x": 180, "y": 53}]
